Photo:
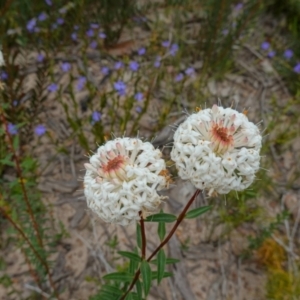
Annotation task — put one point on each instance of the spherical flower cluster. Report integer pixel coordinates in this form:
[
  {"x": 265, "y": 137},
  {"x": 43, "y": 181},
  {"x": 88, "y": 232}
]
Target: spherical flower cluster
[
  {"x": 123, "y": 178},
  {"x": 217, "y": 149}
]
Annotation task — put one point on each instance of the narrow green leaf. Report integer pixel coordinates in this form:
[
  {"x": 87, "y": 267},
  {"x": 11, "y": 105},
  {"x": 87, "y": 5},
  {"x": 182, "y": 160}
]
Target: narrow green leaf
[
  {"x": 166, "y": 274},
  {"x": 16, "y": 142},
  {"x": 129, "y": 297},
  {"x": 161, "y": 217},
  {"x": 119, "y": 276},
  {"x": 161, "y": 263},
  {"x": 139, "y": 235},
  {"x": 161, "y": 230},
  {"x": 106, "y": 295},
  {"x": 146, "y": 276},
  {"x": 111, "y": 289},
  {"x": 139, "y": 289},
  {"x": 130, "y": 255},
  {"x": 168, "y": 261},
  {"x": 194, "y": 213}
]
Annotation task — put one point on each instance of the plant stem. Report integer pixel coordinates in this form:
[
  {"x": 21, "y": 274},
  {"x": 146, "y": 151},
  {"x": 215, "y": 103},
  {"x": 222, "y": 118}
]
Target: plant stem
[
  {"x": 143, "y": 235},
  {"x": 179, "y": 220}
]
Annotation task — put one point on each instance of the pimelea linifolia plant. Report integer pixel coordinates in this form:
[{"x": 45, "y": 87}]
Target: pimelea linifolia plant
[{"x": 216, "y": 149}]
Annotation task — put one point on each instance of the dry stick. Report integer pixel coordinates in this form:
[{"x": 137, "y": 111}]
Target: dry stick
[
  {"x": 179, "y": 220},
  {"x": 43, "y": 262},
  {"x": 143, "y": 235}
]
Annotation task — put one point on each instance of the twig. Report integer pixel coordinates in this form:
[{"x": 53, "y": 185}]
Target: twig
[
  {"x": 36, "y": 289},
  {"x": 143, "y": 235},
  {"x": 179, "y": 220}
]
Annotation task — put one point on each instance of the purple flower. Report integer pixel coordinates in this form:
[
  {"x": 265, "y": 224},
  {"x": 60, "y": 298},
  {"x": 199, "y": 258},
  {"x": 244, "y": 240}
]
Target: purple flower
[
  {"x": 40, "y": 57},
  {"x": 104, "y": 70},
  {"x": 134, "y": 66},
  {"x": 3, "y": 75},
  {"x": 239, "y": 6},
  {"x": 40, "y": 130},
  {"x": 139, "y": 96},
  {"x": 166, "y": 44},
  {"x": 49, "y": 2},
  {"x": 297, "y": 68},
  {"x": 142, "y": 51},
  {"x": 174, "y": 49},
  {"x": 42, "y": 16},
  {"x": 96, "y": 116},
  {"x": 90, "y": 32},
  {"x": 31, "y": 25},
  {"x": 190, "y": 71},
  {"x": 94, "y": 25},
  {"x": 102, "y": 35},
  {"x": 120, "y": 87},
  {"x": 15, "y": 102},
  {"x": 138, "y": 109},
  {"x": 60, "y": 21},
  {"x": 93, "y": 44},
  {"x": 12, "y": 129},
  {"x": 74, "y": 36},
  {"x": 178, "y": 77},
  {"x": 76, "y": 27},
  {"x": 118, "y": 65},
  {"x": 225, "y": 31},
  {"x": 288, "y": 53},
  {"x": 271, "y": 54},
  {"x": 81, "y": 83},
  {"x": 265, "y": 46},
  {"x": 65, "y": 67},
  {"x": 157, "y": 62},
  {"x": 53, "y": 87}
]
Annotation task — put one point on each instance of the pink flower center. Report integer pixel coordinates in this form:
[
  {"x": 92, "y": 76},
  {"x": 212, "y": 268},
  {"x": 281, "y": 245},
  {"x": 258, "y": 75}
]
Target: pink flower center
[
  {"x": 113, "y": 164},
  {"x": 221, "y": 137}
]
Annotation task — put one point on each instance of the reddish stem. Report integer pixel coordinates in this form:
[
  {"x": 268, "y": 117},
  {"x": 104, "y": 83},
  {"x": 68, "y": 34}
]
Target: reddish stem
[
  {"x": 143, "y": 235},
  {"x": 179, "y": 220}
]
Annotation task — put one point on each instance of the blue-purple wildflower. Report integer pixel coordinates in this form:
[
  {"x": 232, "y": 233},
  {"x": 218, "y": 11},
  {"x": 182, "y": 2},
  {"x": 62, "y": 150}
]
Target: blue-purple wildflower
[
  {"x": 174, "y": 49},
  {"x": 134, "y": 66},
  {"x": 157, "y": 62},
  {"x": 139, "y": 96},
  {"x": 65, "y": 67},
  {"x": 104, "y": 70},
  {"x": 96, "y": 116},
  {"x": 42, "y": 16},
  {"x": 90, "y": 32},
  {"x": 288, "y": 53},
  {"x": 53, "y": 87},
  {"x": 15, "y": 103},
  {"x": 189, "y": 71},
  {"x": 166, "y": 44},
  {"x": 265, "y": 45},
  {"x": 138, "y": 109},
  {"x": 225, "y": 31},
  {"x": 31, "y": 25},
  {"x": 94, "y": 25},
  {"x": 271, "y": 54},
  {"x": 239, "y": 6},
  {"x": 120, "y": 87},
  {"x": 40, "y": 57},
  {"x": 297, "y": 68},
  {"x": 12, "y": 129},
  {"x": 102, "y": 35},
  {"x": 93, "y": 44},
  {"x": 74, "y": 36},
  {"x": 3, "y": 76},
  {"x": 118, "y": 65},
  {"x": 142, "y": 51},
  {"x": 48, "y": 2},
  {"x": 179, "y": 77},
  {"x": 40, "y": 129},
  {"x": 60, "y": 21},
  {"x": 81, "y": 83}
]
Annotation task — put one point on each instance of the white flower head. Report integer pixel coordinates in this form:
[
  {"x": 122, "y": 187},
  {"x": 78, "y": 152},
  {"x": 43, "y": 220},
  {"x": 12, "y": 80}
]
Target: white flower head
[
  {"x": 217, "y": 149},
  {"x": 123, "y": 178},
  {"x": 2, "y": 62}
]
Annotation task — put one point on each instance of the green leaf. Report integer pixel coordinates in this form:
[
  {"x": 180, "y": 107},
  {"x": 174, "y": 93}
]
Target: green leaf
[
  {"x": 161, "y": 263},
  {"x": 146, "y": 276},
  {"x": 111, "y": 289},
  {"x": 161, "y": 230},
  {"x": 139, "y": 235},
  {"x": 194, "y": 213},
  {"x": 130, "y": 255},
  {"x": 119, "y": 276},
  {"x": 166, "y": 274},
  {"x": 16, "y": 142},
  {"x": 129, "y": 297},
  {"x": 168, "y": 261},
  {"x": 139, "y": 289},
  {"x": 161, "y": 217}
]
